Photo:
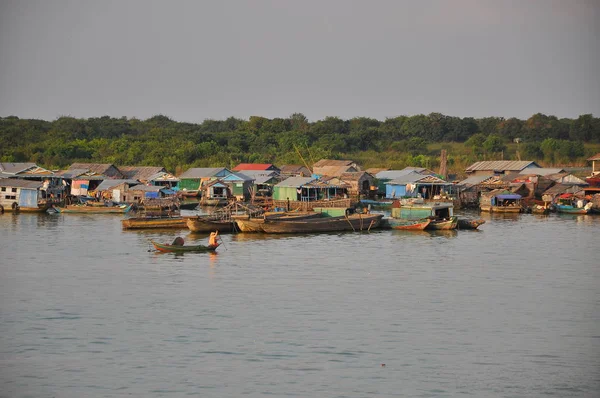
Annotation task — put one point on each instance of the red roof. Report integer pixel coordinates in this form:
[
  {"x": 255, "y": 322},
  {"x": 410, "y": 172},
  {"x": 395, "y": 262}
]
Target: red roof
[{"x": 252, "y": 166}]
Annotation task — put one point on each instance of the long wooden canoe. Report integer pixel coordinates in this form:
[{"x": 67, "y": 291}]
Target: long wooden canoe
[
  {"x": 93, "y": 209},
  {"x": 168, "y": 248},
  {"x": 406, "y": 225},
  {"x": 443, "y": 225},
  {"x": 154, "y": 222},
  {"x": 353, "y": 222},
  {"x": 204, "y": 224}
]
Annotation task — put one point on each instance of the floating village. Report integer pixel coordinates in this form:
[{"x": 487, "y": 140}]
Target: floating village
[{"x": 336, "y": 195}]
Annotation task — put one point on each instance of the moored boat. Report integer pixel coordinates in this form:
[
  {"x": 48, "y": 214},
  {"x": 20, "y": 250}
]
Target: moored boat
[
  {"x": 254, "y": 224},
  {"x": 206, "y": 224},
  {"x": 405, "y": 225},
  {"x": 469, "y": 224},
  {"x": 154, "y": 222},
  {"x": 93, "y": 209},
  {"x": 443, "y": 224},
  {"x": 500, "y": 201},
  {"x": 352, "y": 222}
]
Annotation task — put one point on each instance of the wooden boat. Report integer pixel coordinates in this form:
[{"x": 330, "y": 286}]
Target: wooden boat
[
  {"x": 170, "y": 248},
  {"x": 254, "y": 224},
  {"x": 154, "y": 222},
  {"x": 500, "y": 201},
  {"x": 537, "y": 209},
  {"x": 570, "y": 209},
  {"x": 206, "y": 224},
  {"x": 443, "y": 224},
  {"x": 416, "y": 209},
  {"x": 93, "y": 209},
  {"x": 353, "y": 222},
  {"x": 406, "y": 225},
  {"x": 469, "y": 224}
]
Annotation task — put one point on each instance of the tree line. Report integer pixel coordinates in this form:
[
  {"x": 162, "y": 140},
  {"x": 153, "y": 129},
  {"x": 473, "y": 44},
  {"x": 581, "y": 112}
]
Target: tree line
[{"x": 395, "y": 142}]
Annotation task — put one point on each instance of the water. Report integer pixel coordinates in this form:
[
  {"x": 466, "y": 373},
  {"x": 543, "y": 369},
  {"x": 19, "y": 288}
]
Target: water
[{"x": 512, "y": 310}]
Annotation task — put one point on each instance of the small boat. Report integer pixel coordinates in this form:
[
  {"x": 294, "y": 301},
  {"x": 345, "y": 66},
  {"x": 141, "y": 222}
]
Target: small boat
[
  {"x": 469, "y": 224},
  {"x": 406, "y": 225},
  {"x": 180, "y": 248},
  {"x": 570, "y": 209},
  {"x": 154, "y": 222},
  {"x": 538, "y": 209},
  {"x": 500, "y": 201},
  {"x": 443, "y": 224},
  {"x": 93, "y": 209},
  {"x": 207, "y": 224},
  {"x": 352, "y": 222}
]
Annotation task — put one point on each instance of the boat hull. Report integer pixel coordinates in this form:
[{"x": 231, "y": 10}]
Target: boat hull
[
  {"x": 354, "y": 222},
  {"x": 165, "y": 248},
  {"x": 93, "y": 209},
  {"x": 501, "y": 209},
  {"x": 150, "y": 223},
  {"x": 571, "y": 210},
  {"x": 201, "y": 224},
  {"x": 254, "y": 224},
  {"x": 443, "y": 225},
  {"x": 406, "y": 225},
  {"x": 469, "y": 224}
]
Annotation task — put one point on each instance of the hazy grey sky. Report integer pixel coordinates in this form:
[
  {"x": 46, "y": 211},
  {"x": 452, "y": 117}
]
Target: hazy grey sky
[{"x": 196, "y": 60}]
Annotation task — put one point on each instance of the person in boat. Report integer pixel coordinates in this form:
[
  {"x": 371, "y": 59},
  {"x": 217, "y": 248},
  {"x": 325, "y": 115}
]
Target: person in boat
[
  {"x": 178, "y": 241},
  {"x": 213, "y": 239}
]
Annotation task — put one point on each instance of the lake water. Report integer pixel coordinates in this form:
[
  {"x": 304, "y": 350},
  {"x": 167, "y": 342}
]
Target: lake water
[{"x": 511, "y": 310}]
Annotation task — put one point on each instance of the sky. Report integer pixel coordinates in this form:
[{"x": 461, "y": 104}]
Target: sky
[{"x": 196, "y": 60}]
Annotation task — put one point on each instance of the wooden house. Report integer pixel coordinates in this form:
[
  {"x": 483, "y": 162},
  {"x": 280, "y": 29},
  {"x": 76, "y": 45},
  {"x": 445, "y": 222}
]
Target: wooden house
[
  {"x": 215, "y": 193},
  {"x": 193, "y": 180},
  {"x": 414, "y": 185},
  {"x": 308, "y": 192},
  {"x": 594, "y": 178},
  {"x": 240, "y": 185},
  {"x": 51, "y": 184},
  {"x": 263, "y": 182},
  {"x": 23, "y": 195},
  {"x": 360, "y": 183}
]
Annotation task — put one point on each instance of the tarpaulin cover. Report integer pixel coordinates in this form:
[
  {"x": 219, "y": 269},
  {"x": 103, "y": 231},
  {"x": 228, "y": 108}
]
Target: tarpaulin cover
[
  {"x": 565, "y": 195},
  {"x": 508, "y": 196}
]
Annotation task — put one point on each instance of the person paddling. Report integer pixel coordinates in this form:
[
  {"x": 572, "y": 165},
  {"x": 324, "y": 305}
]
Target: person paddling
[{"x": 213, "y": 239}]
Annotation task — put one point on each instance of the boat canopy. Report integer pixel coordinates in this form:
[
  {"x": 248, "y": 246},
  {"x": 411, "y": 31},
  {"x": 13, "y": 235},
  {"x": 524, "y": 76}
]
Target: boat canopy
[{"x": 508, "y": 196}]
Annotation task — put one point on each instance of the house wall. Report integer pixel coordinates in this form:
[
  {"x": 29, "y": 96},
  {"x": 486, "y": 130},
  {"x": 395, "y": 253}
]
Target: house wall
[
  {"x": 395, "y": 191},
  {"x": 190, "y": 184},
  {"x": 283, "y": 193}
]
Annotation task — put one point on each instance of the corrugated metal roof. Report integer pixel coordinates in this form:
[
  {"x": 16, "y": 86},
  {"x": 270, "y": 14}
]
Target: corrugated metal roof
[
  {"x": 413, "y": 177},
  {"x": 202, "y": 172},
  {"x": 542, "y": 171},
  {"x": 237, "y": 177},
  {"x": 19, "y": 183},
  {"x": 99, "y": 168},
  {"x": 295, "y": 182},
  {"x": 108, "y": 184},
  {"x": 71, "y": 173},
  {"x": 393, "y": 174},
  {"x": 253, "y": 166},
  {"x": 146, "y": 188},
  {"x": 14, "y": 168},
  {"x": 141, "y": 173},
  {"x": 510, "y": 165},
  {"x": 474, "y": 180},
  {"x": 333, "y": 163}
]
